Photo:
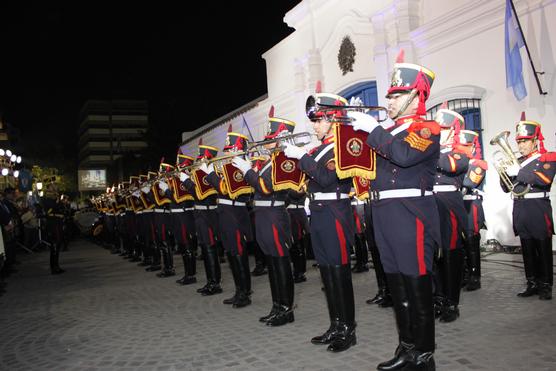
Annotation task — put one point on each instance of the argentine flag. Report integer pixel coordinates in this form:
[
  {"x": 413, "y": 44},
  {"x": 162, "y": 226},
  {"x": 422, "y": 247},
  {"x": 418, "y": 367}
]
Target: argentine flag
[{"x": 514, "y": 41}]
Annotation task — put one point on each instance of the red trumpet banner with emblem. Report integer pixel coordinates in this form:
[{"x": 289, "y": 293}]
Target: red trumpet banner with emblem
[
  {"x": 285, "y": 174},
  {"x": 136, "y": 204},
  {"x": 352, "y": 154},
  {"x": 203, "y": 189},
  {"x": 146, "y": 202},
  {"x": 159, "y": 195},
  {"x": 179, "y": 191},
  {"x": 361, "y": 187},
  {"x": 235, "y": 182}
]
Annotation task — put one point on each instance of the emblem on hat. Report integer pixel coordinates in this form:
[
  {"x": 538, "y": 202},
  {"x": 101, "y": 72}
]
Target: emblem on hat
[
  {"x": 354, "y": 146},
  {"x": 288, "y": 166},
  {"x": 397, "y": 78}
]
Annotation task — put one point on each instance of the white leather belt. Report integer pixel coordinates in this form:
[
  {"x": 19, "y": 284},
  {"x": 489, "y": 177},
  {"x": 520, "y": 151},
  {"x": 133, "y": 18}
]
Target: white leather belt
[
  {"x": 444, "y": 188},
  {"x": 268, "y": 203},
  {"x": 139, "y": 212},
  {"x": 398, "y": 193},
  {"x": 159, "y": 210},
  {"x": 294, "y": 206},
  {"x": 181, "y": 210},
  {"x": 148, "y": 211},
  {"x": 230, "y": 202},
  {"x": 205, "y": 207},
  {"x": 472, "y": 197},
  {"x": 321, "y": 196},
  {"x": 357, "y": 202},
  {"x": 532, "y": 195}
]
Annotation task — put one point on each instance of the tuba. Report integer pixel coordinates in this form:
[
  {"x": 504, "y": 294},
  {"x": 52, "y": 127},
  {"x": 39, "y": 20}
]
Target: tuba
[{"x": 505, "y": 158}]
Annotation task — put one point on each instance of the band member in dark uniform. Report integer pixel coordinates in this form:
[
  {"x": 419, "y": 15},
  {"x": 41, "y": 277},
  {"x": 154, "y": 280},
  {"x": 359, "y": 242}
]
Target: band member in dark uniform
[
  {"x": 405, "y": 216},
  {"x": 54, "y": 212},
  {"x": 260, "y": 260},
  {"x": 332, "y": 227},
  {"x": 206, "y": 220},
  {"x": 273, "y": 228},
  {"x": 452, "y": 166},
  {"x": 360, "y": 243},
  {"x": 233, "y": 217},
  {"x": 300, "y": 231},
  {"x": 154, "y": 211},
  {"x": 184, "y": 222},
  {"x": 473, "y": 201},
  {"x": 532, "y": 212}
]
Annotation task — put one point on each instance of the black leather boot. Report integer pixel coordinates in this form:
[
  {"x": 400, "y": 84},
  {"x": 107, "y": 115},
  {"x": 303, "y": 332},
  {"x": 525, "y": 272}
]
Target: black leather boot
[
  {"x": 155, "y": 266},
  {"x": 273, "y": 281},
  {"x": 54, "y": 259},
  {"x": 344, "y": 302},
  {"x": 546, "y": 269},
  {"x": 328, "y": 282},
  {"x": 214, "y": 274},
  {"x": 383, "y": 297},
  {"x": 204, "y": 255},
  {"x": 243, "y": 298},
  {"x": 260, "y": 261},
  {"x": 419, "y": 291},
  {"x": 473, "y": 249},
  {"x": 452, "y": 285},
  {"x": 402, "y": 313},
  {"x": 299, "y": 260},
  {"x": 235, "y": 274},
  {"x": 283, "y": 268},
  {"x": 529, "y": 252},
  {"x": 168, "y": 261},
  {"x": 361, "y": 254}
]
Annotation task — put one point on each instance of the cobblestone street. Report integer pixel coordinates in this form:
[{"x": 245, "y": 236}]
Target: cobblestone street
[{"x": 105, "y": 313}]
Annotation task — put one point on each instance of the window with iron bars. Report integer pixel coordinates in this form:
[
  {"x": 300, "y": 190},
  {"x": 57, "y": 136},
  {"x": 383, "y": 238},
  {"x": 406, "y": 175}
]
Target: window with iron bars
[{"x": 470, "y": 109}]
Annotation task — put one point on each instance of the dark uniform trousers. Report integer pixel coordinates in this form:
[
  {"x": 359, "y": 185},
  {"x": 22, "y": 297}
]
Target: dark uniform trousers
[
  {"x": 273, "y": 234},
  {"x": 360, "y": 242},
  {"x": 183, "y": 230},
  {"x": 533, "y": 223},
  {"x": 300, "y": 234},
  {"x": 407, "y": 230}
]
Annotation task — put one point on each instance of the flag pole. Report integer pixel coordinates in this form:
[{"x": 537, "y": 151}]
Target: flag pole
[
  {"x": 248, "y": 130},
  {"x": 535, "y": 72}
]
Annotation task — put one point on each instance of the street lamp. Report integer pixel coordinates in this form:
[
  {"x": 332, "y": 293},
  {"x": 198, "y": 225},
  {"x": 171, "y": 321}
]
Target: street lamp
[
  {"x": 5, "y": 171},
  {"x": 16, "y": 173},
  {"x": 8, "y": 153},
  {"x": 39, "y": 186}
]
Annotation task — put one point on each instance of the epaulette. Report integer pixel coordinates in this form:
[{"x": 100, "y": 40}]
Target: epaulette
[
  {"x": 424, "y": 127},
  {"x": 548, "y": 157}
]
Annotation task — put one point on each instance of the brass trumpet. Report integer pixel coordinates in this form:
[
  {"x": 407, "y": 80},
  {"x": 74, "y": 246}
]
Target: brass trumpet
[
  {"x": 505, "y": 158},
  {"x": 313, "y": 105},
  {"x": 296, "y": 139}
]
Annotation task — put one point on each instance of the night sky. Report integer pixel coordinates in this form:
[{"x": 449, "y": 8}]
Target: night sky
[{"x": 192, "y": 64}]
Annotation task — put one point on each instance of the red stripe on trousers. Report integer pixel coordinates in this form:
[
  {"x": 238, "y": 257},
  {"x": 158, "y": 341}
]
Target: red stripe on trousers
[
  {"x": 153, "y": 234},
  {"x": 239, "y": 245},
  {"x": 211, "y": 236},
  {"x": 357, "y": 221},
  {"x": 299, "y": 231},
  {"x": 342, "y": 239},
  {"x": 475, "y": 219},
  {"x": 183, "y": 233},
  {"x": 163, "y": 232},
  {"x": 420, "y": 241},
  {"x": 548, "y": 225},
  {"x": 454, "y": 237},
  {"x": 277, "y": 241}
]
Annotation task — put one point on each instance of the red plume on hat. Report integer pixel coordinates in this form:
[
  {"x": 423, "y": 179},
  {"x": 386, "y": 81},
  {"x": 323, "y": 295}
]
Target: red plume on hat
[
  {"x": 200, "y": 141},
  {"x": 522, "y": 116},
  {"x": 401, "y": 56},
  {"x": 444, "y": 105},
  {"x": 318, "y": 87},
  {"x": 230, "y": 128},
  {"x": 271, "y": 112}
]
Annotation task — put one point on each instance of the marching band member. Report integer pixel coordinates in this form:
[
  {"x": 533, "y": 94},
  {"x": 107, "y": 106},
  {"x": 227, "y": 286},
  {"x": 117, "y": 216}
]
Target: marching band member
[
  {"x": 272, "y": 227},
  {"x": 184, "y": 222},
  {"x": 451, "y": 169},
  {"x": 332, "y": 229},
  {"x": 407, "y": 156},
  {"x": 234, "y": 221},
  {"x": 300, "y": 231},
  {"x": 206, "y": 220},
  {"x": 157, "y": 221},
  {"x": 52, "y": 208},
  {"x": 147, "y": 224},
  {"x": 473, "y": 201},
  {"x": 260, "y": 260},
  {"x": 532, "y": 212}
]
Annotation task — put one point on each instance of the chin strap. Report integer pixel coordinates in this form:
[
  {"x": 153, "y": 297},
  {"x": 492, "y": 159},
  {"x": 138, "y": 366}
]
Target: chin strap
[{"x": 409, "y": 99}]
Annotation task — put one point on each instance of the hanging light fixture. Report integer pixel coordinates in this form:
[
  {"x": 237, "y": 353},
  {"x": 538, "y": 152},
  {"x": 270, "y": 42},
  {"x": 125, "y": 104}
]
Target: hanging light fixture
[
  {"x": 8, "y": 153},
  {"x": 5, "y": 171},
  {"x": 16, "y": 173}
]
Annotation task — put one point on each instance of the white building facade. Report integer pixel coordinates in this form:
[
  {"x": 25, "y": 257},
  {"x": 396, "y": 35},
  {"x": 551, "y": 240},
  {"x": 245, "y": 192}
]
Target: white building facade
[{"x": 462, "y": 41}]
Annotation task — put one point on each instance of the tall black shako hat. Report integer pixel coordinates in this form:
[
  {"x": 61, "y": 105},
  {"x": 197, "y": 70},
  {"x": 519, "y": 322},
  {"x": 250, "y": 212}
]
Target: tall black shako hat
[
  {"x": 277, "y": 125},
  {"x": 409, "y": 76},
  {"x": 235, "y": 142}
]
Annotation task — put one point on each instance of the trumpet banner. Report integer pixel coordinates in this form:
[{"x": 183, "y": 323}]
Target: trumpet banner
[
  {"x": 147, "y": 203},
  {"x": 361, "y": 187},
  {"x": 136, "y": 203},
  {"x": 285, "y": 174},
  {"x": 203, "y": 189},
  {"x": 159, "y": 195},
  {"x": 352, "y": 154},
  {"x": 178, "y": 190},
  {"x": 235, "y": 182}
]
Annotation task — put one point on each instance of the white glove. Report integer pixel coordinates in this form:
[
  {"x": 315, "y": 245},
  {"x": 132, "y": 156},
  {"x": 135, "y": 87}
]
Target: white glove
[
  {"x": 162, "y": 185},
  {"x": 241, "y": 164},
  {"x": 137, "y": 194},
  {"x": 145, "y": 189},
  {"x": 292, "y": 151},
  {"x": 513, "y": 170},
  {"x": 362, "y": 121},
  {"x": 204, "y": 168},
  {"x": 183, "y": 176}
]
